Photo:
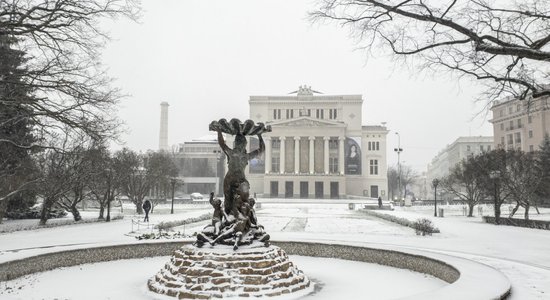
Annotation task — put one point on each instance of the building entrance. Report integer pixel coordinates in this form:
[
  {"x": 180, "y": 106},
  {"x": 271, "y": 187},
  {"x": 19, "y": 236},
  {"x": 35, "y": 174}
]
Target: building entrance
[
  {"x": 334, "y": 190},
  {"x": 374, "y": 191},
  {"x": 304, "y": 189},
  {"x": 319, "y": 190},
  {"x": 274, "y": 189},
  {"x": 289, "y": 189}
]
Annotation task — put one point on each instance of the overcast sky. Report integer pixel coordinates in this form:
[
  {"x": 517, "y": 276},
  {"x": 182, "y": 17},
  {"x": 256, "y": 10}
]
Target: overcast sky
[{"x": 205, "y": 58}]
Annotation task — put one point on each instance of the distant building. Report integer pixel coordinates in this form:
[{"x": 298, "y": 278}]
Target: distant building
[
  {"x": 200, "y": 166},
  {"x": 521, "y": 124},
  {"x": 454, "y": 153},
  {"x": 319, "y": 147}
]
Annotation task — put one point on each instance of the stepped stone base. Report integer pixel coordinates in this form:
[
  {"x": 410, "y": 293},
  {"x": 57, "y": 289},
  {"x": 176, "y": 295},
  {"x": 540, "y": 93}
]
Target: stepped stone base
[{"x": 219, "y": 272}]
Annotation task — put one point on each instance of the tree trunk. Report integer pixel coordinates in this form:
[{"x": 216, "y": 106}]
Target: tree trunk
[
  {"x": 497, "y": 214},
  {"x": 108, "y": 211},
  {"x": 471, "y": 210},
  {"x": 514, "y": 210},
  {"x": 44, "y": 212},
  {"x": 76, "y": 214},
  {"x": 527, "y": 211},
  {"x": 3, "y": 207},
  {"x": 101, "y": 211},
  {"x": 139, "y": 208}
]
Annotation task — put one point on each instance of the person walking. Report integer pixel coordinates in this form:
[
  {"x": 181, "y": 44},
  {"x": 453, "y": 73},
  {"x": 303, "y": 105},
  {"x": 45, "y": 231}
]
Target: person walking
[
  {"x": 380, "y": 202},
  {"x": 146, "y": 207}
]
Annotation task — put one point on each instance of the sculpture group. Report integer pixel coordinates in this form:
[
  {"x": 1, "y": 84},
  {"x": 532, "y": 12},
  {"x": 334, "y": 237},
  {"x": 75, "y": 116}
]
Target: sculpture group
[{"x": 234, "y": 220}]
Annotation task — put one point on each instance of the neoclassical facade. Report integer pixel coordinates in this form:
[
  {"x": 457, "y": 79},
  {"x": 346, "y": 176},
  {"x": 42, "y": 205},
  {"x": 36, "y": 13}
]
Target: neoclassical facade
[{"x": 318, "y": 148}]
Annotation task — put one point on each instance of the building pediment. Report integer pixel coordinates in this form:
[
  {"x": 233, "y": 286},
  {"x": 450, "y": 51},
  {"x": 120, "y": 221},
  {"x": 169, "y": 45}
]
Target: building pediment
[{"x": 305, "y": 122}]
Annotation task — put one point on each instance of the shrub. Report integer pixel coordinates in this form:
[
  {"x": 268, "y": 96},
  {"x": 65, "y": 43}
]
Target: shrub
[{"x": 423, "y": 226}]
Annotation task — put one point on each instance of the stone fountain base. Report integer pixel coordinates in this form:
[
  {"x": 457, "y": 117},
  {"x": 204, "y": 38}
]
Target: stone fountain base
[{"x": 219, "y": 272}]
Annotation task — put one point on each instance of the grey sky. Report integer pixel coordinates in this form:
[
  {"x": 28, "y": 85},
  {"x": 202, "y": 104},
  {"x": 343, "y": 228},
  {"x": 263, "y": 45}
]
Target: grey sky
[{"x": 207, "y": 57}]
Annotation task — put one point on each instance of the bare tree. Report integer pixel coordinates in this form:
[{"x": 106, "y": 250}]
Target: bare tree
[
  {"x": 494, "y": 175},
  {"x": 161, "y": 167},
  {"x": 523, "y": 180},
  {"x": 65, "y": 87},
  {"x": 465, "y": 182},
  {"x": 134, "y": 180},
  {"x": 408, "y": 177},
  {"x": 506, "y": 44},
  {"x": 393, "y": 179}
]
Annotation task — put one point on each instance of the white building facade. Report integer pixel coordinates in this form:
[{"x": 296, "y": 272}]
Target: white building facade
[
  {"x": 318, "y": 148},
  {"x": 461, "y": 148}
]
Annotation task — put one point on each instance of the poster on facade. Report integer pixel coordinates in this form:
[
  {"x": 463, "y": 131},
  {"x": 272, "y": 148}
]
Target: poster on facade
[
  {"x": 352, "y": 153},
  {"x": 257, "y": 164}
]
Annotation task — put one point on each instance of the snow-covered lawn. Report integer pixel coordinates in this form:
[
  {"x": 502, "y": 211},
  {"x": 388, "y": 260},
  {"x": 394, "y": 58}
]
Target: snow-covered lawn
[
  {"x": 335, "y": 279},
  {"x": 522, "y": 254}
]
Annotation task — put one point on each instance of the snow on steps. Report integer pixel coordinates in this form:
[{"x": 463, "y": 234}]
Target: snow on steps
[{"x": 219, "y": 272}]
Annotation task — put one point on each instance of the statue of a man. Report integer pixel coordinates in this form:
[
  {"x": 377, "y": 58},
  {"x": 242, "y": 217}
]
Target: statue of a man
[{"x": 237, "y": 160}]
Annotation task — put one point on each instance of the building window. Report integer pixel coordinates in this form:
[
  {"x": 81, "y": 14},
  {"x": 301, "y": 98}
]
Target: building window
[
  {"x": 531, "y": 148},
  {"x": 502, "y": 140},
  {"x": 332, "y": 113},
  {"x": 489, "y": 147},
  {"x": 468, "y": 148},
  {"x": 374, "y": 146},
  {"x": 276, "y": 114},
  {"x": 530, "y": 133},
  {"x": 518, "y": 107},
  {"x": 510, "y": 139},
  {"x": 333, "y": 164},
  {"x": 511, "y": 125},
  {"x": 518, "y": 137},
  {"x": 529, "y": 119},
  {"x": 275, "y": 164},
  {"x": 510, "y": 109},
  {"x": 333, "y": 143},
  {"x": 374, "y": 167},
  {"x": 275, "y": 144},
  {"x": 502, "y": 112},
  {"x": 319, "y": 113},
  {"x": 502, "y": 126},
  {"x": 519, "y": 123},
  {"x": 481, "y": 148},
  {"x": 289, "y": 113}
]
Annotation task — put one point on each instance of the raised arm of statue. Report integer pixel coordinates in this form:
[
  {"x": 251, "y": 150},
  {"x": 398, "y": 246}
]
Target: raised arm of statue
[
  {"x": 258, "y": 151},
  {"x": 221, "y": 141}
]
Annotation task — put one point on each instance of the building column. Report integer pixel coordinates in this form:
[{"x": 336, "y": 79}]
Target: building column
[
  {"x": 341, "y": 154},
  {"x": 326, "y": 138},
  {"x": 267, "y": 161},
  {"x": 296, "y": 154},
  {"x": 311, "y": 155},
  {"x": 282, "y": 154}
]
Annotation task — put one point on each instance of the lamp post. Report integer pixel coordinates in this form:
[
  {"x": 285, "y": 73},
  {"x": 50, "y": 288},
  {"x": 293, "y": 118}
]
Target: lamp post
[
  {"x": 495, "y": 175},
  {"x": 398, "y": 150},
  {"x": 173, "y": 181},
  {"x": 435, "y": 183}
]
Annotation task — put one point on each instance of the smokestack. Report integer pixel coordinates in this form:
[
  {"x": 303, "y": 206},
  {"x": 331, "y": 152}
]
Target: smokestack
[{"x": 163, "y": 136}]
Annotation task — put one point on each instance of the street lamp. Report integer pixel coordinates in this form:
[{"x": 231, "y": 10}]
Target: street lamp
[
  {"x": 495, "y": 175},
  {"x": 435, "y": 183},
  {"x": 173, "y": 181},
  {"x": 398, "y": 150}
]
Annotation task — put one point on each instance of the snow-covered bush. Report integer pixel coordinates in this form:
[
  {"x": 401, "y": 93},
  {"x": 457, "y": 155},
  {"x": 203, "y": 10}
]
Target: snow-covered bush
[{"x": 424, "y": 226}]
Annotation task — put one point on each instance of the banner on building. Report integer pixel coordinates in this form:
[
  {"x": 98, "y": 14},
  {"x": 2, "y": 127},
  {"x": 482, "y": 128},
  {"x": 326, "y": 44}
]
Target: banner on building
[
  {"x": 257, "y": 164},
  {"x": 352, "y": 154}
]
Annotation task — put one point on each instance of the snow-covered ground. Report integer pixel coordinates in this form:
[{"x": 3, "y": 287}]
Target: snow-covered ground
[
  {"x": 522, "y": 254},
  {"x": 335, "y": 278}
]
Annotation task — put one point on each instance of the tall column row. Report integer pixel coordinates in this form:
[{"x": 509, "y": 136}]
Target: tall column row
[{"x": 311, "y": 165}]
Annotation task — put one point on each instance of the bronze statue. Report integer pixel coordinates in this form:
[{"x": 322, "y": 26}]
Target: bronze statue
[{"x": 236, "y": 223}]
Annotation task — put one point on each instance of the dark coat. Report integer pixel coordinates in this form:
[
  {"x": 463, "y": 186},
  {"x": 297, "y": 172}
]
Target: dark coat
[{"x": 147, "y": 205}]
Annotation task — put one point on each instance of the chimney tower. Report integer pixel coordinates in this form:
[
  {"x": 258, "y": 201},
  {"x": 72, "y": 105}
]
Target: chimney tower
[{"x": 163, "y": 136}]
